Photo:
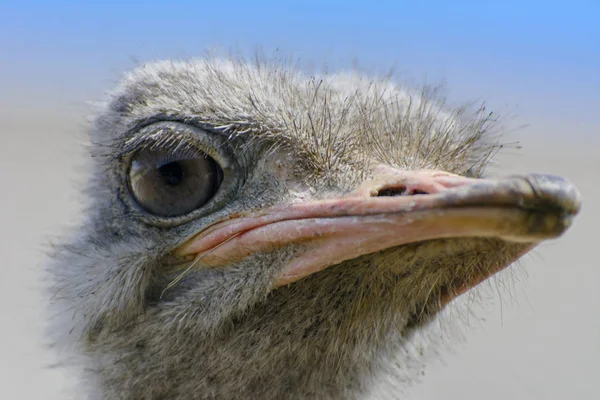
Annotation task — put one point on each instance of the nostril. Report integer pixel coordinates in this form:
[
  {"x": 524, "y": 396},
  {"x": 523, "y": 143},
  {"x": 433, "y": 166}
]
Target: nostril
[
  {"x": 391, "y": 191},
  {"x": 398, "y": 191}
]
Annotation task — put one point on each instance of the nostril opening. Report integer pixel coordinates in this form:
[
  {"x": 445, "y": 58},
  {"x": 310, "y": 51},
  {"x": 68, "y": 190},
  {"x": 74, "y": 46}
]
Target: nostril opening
[
  {"x": 391, "y": 191},
  {"x": 398, "y": 191}
]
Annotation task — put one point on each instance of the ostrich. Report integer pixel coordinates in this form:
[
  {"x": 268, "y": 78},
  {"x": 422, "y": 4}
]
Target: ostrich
[{"x": 255, "y": 233}]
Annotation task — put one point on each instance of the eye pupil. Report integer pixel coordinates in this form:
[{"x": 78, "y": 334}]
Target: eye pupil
[{"x": 172, "y": 173}]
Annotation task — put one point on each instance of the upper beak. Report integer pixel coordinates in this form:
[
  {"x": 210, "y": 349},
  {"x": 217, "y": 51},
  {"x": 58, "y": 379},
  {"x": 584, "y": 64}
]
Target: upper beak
[{"x": 395, "y": 208}]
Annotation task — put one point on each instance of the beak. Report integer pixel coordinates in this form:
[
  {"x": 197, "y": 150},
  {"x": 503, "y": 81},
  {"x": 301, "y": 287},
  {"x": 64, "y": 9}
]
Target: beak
[{"x": 394, "y": 209}]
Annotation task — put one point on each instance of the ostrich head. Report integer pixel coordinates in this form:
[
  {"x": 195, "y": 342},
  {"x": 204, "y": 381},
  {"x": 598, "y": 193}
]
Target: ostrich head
[{"x": 255, "y": 233}]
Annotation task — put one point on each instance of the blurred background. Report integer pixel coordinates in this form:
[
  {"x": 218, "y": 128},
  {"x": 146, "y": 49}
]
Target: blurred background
[{"x": 537, "y": 62}]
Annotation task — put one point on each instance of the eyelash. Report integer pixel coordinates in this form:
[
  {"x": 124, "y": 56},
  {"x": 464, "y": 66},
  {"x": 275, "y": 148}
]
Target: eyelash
[
  {"x": 167, "y": 140},
  {"x": 169, "y": 154}
]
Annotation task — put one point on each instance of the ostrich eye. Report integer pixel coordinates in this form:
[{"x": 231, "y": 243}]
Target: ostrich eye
[{"x": 172, "y": 183}]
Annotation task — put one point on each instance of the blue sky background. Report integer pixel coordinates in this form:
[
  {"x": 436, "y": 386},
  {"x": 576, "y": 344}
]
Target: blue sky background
[{"x": 540, "y": 58}]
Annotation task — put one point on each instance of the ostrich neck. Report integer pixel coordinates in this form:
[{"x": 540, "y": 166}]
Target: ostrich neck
[{"x": 332, "y": 340}]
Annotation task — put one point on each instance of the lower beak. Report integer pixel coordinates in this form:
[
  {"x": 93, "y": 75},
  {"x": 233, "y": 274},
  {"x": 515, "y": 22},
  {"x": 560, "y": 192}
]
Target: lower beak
[{"x": 397, "y": 208}]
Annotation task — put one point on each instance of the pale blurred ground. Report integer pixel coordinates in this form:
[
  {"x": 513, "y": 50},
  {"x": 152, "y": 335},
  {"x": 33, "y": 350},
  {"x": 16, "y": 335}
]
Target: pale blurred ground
[{"x": 541, "y": 342}]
